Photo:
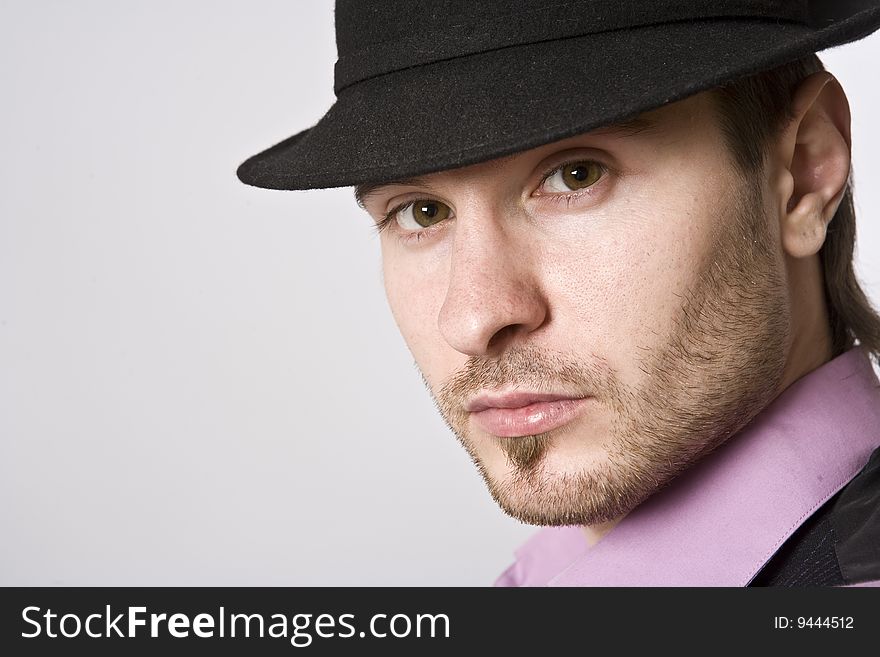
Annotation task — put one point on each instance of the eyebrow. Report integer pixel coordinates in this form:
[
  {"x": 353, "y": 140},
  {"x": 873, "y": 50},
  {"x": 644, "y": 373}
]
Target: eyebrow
[
  {"x": 628, "y": 127},
  {"x": 625, "y": 128},
  {"x": 361, "y": 192}
]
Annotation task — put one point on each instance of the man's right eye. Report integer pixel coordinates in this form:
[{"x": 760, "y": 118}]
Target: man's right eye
[{"x": 421, "y": 214}]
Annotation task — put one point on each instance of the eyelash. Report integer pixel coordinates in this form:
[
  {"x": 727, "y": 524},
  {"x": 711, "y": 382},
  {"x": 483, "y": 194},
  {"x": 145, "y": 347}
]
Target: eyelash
[
  {"x": 573, "y": 196},
  {"x": 568, "y": 199},
  {"x": 391, "y": 217}
]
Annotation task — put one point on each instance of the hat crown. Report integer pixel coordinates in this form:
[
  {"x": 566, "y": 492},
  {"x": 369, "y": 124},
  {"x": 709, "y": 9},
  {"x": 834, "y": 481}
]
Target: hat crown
[
  {"x": 381, "y": 36},
  {"x": 429, "y": 86}
]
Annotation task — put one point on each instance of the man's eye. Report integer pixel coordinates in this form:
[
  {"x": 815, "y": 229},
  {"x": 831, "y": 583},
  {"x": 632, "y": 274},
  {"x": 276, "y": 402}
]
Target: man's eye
[
  {"x": 422, "y": 214},
  {"x": 573, "y": 176}
]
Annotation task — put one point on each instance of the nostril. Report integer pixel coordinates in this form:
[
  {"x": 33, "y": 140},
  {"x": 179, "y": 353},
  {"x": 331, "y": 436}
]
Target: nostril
[
  {"x": 507, "y": 334},
  {"x": 503, "y": 336}
]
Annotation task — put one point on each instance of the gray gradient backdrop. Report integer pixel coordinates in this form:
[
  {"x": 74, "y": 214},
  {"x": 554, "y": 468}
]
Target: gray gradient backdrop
[{"x": 200, "y": 382}]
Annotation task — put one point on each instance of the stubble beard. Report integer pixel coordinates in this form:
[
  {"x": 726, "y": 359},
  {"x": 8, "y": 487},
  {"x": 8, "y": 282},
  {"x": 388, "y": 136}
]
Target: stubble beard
[{"x": 720, "y": 365}]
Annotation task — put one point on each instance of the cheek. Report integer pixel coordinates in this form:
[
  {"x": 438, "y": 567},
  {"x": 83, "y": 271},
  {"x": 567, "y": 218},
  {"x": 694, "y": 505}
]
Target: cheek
[
  {"x": 415, "y": 295},
  {"x": 620, "y": 299}
]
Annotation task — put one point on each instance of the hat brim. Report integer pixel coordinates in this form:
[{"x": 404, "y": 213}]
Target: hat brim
[{"x": 476, "y": 108}]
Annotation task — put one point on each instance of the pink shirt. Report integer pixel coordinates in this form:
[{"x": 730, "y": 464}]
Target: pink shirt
[{"x": 721, "y": 521}]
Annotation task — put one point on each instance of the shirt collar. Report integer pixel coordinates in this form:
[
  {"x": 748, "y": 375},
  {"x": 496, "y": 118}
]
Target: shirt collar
[{"x": 719, "y": 523}]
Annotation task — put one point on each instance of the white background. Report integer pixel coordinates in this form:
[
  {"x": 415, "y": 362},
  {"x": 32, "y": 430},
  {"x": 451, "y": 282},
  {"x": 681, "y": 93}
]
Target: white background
[{"x": 200, "y": 382}]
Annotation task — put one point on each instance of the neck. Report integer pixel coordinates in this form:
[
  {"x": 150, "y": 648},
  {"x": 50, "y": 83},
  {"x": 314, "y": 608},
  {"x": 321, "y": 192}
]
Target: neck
[
  {"x": 594, "y": 533},
  {"x": 811, "y": 329}
]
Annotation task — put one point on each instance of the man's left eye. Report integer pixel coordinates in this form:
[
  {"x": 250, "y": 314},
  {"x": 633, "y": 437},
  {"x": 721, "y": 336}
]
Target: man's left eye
[{"x": 573, "y": 177}]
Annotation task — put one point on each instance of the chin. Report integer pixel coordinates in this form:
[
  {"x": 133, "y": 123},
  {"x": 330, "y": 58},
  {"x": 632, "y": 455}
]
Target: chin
[{"x": 560, "y": 490}]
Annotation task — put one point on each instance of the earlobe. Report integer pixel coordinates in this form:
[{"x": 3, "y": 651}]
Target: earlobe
[
  {"x": 804, "y": 227},
  {"x": 815, "y": 163}
]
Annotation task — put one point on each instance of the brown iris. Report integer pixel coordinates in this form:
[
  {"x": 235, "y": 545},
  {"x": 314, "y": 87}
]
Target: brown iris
[
  {"x": 427, "y": 213},
  {"x": 578, "y": 175}
]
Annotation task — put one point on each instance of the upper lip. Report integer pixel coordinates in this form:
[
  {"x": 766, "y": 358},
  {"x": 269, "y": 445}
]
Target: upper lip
[{"x": 516, "y": 399}]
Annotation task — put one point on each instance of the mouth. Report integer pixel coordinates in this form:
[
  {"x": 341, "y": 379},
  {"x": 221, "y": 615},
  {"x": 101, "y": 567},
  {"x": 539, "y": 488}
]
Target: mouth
[{"x": 520, "y": 414}]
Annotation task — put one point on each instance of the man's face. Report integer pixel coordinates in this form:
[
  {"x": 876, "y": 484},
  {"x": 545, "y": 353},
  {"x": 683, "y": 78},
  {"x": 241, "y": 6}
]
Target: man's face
[{"x": 594, "y": 315}]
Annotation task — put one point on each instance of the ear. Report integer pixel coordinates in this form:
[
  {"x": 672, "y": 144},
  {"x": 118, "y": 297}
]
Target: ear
[{"x": 812, "y": 157}]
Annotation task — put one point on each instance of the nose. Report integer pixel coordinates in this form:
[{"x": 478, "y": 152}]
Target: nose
[{"x": 494, "y": 295}]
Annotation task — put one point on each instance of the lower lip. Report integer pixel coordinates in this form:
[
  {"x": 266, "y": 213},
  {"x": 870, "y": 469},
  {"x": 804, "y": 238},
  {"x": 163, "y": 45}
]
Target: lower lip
[{"x": 528, "y": 420}]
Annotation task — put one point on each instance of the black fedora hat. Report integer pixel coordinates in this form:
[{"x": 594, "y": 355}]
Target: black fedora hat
[{"x": 427, "y": 86}]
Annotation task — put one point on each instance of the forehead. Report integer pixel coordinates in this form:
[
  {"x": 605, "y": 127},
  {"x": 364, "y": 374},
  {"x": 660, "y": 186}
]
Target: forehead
[{"x": 685, "y": 117}]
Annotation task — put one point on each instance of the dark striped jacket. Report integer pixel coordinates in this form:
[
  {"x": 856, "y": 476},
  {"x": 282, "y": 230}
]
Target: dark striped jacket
[{"x": 839, "y": 544}]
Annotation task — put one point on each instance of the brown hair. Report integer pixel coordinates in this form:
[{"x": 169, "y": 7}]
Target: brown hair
[{"x": 752, "y": 110}]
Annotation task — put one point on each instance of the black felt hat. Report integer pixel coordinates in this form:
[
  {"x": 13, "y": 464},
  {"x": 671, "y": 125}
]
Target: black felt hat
[{"x": 427, "y": 86}]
